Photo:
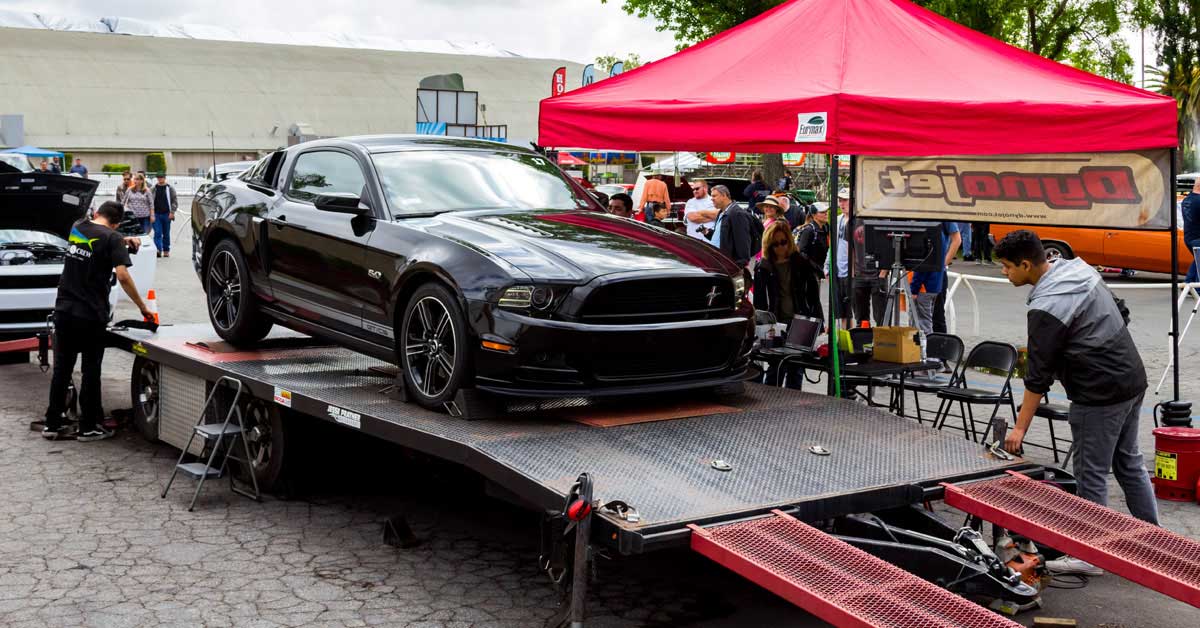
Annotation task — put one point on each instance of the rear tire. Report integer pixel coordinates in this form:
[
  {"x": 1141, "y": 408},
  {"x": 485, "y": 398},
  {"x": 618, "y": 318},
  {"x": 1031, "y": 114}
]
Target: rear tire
[
  {"x": 232, "y": 306},
  {"x": 1057, "y": 250},
  {"x": 432, "y": 346},
  {"x": 267, "y": 442},
  {"x": 144, "y": 393}
]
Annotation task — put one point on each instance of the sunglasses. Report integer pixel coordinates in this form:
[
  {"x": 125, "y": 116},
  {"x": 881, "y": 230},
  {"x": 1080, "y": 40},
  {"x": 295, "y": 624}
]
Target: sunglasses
[{"x": 780, "y": 243}]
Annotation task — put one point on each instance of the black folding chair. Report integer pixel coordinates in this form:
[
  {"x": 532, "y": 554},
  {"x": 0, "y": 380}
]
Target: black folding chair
[
  {"x": 999, "y": 357},
  {"x": 945, "y": 347}
]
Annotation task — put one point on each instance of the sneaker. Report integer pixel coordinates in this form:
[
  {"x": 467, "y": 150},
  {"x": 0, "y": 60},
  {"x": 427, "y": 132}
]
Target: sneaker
[
  {"x": 92, "y": 434},
  {"x": 979, "y": 261},
  {"x": 1071, "y": 565},
  {"x": 158, "y": 254},
  {"x": 53, "y": 433}
]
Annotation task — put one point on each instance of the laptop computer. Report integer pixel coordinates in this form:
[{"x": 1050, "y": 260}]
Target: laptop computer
[{"x": 802, "y": 336}]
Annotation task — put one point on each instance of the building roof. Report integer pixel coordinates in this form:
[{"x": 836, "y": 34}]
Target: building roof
[{"x": 96, "y": 91}]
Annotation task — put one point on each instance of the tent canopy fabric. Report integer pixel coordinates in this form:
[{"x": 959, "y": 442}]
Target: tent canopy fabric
[
  {"x": 33, "y": 151},
  {"x": 889, "y": 77},
  {"x": 682, "y": 162}
]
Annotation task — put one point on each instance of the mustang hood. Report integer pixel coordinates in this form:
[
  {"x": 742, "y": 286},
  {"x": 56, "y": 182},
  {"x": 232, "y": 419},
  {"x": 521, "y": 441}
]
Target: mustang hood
[
  {"x": 40, "y": 201},
  {"x": 579, "y": 245}
]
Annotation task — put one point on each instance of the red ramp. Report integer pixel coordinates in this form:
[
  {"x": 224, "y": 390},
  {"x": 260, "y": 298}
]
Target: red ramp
[
  {"x": 841, "y": 584},
  {"x": 1131, "y": 548}
]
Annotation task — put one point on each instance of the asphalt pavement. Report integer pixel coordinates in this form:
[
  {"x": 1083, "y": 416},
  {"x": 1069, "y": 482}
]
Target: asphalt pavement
[{"x": 85, "y": 539}]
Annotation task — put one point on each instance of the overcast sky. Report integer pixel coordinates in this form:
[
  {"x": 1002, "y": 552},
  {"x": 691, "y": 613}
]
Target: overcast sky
[{"x": 575, "y": 30}]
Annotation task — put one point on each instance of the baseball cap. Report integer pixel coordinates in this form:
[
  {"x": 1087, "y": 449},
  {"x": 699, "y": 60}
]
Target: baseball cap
[
  {"x": 844, "y": 193},
  {"x": 820, "y": 207}
]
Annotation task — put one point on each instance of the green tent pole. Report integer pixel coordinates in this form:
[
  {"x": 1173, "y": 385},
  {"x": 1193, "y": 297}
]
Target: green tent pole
[{"x": 835, "y": 371}]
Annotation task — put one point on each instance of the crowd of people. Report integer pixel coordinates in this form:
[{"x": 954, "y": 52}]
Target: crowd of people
[{"x": 153, "y": 206}]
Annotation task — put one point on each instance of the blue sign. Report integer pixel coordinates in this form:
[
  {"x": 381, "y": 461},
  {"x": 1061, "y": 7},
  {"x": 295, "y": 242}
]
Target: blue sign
[
  {"x": 589, "y": 75},
  {"x": 431, "y": 128},
  {"x": 617, "y": 68}
]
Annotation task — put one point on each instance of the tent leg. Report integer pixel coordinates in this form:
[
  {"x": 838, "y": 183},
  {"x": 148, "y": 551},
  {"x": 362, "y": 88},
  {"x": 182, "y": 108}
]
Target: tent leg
[
  {"x": 835, "y": 371},
  {"x": 1174, "y": 285}
]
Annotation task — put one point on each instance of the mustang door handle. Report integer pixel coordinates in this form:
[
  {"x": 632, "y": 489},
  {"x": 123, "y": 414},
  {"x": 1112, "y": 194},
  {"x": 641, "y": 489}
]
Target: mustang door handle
[{"x": 279, "y": 221}]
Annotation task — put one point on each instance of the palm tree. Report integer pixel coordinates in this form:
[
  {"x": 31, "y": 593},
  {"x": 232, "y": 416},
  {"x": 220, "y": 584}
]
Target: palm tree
[{"x": 1182, "y": 84}]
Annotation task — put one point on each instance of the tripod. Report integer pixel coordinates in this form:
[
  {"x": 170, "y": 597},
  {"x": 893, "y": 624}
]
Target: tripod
[{"x": 897, "y": 285}]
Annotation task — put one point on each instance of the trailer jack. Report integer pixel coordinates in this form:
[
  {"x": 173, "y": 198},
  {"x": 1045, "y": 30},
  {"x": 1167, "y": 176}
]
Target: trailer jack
[{"x": 575, "y": 517}]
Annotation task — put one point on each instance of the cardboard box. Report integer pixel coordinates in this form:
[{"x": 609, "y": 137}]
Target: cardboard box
[{"x": 896, "y": 344}]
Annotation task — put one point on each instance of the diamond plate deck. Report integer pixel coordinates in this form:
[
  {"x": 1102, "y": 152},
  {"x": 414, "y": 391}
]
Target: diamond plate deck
[
  {"x": 1144, "y": 553},
  {"x": 663, "y": 469},
  {"x": 833, "y": 580}
]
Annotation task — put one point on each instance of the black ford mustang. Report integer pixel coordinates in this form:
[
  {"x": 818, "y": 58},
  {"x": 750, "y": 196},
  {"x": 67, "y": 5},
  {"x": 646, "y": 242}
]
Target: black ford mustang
[{"x": 467, "y": 263}]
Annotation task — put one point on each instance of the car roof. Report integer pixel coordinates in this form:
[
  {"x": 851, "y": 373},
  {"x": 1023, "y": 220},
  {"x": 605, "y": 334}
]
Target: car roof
[{"x": 400, "y": 142}]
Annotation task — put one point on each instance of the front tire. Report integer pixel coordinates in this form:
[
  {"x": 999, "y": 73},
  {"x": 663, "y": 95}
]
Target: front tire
[
  {"x": 432, "y": 346},
  {"x": 232, "y": 307}
]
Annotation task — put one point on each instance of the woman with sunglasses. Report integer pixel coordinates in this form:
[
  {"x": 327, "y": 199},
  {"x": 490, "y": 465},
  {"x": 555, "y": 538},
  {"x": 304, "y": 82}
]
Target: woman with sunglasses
[{"x": 779, "y": 280}]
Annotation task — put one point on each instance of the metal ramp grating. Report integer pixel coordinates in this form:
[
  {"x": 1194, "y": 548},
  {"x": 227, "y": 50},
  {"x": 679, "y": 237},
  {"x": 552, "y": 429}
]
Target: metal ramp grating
[
  {"x": 1131, "y": 548},
  {"x": 841, "y": 584}
]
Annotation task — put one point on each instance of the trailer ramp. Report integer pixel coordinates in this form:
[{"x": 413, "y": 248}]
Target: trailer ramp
[
  {"x": 1146, "y": 554},
  {"x": 841, "y": 584}
]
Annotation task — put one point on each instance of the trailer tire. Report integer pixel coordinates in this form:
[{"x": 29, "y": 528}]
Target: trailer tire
[
  {"x": 144, "y": 393},
  {"x": 229, "y": 299},
  {"x": 268, "y": 444}
]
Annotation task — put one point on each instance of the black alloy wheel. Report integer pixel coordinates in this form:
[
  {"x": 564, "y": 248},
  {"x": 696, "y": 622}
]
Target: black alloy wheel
[
  {"x": 144, "y": 390},
  {"x": 265, "y": 440},
  {"x": 433, "y": 346},
  {"x": 224, "y": 290},
  {"x": 231, "y": 303}
]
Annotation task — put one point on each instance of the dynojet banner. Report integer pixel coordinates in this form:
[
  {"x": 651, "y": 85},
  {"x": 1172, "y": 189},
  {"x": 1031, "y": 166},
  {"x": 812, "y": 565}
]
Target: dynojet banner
[{"x": 1129, "y": 190}]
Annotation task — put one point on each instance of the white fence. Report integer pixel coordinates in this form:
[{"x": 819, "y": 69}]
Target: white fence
[{"x": 184, "y": 185}]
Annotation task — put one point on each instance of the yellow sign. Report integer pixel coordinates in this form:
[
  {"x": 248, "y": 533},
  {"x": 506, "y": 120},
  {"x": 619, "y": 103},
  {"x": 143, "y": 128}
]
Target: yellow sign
[
  {"x": 1111, "y": 190},
  {"x": 1166, "y": 466}
]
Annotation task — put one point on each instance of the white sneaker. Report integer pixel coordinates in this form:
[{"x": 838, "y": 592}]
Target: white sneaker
[{"x": 1071, "y": 565}]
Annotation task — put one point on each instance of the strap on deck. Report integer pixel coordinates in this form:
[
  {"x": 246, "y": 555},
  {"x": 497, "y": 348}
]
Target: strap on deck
[
  {"x": 829, "y": 578},
  {"x": 1116, "y": 542}
]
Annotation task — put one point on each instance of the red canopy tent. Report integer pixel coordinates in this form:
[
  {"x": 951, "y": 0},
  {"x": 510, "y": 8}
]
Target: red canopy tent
[
  {"x": 864, "y": 77},
  {"x": 893, "y": 78}
]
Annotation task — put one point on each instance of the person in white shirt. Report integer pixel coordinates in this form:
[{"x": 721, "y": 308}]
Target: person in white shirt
[{"x": 699, "y": 211}]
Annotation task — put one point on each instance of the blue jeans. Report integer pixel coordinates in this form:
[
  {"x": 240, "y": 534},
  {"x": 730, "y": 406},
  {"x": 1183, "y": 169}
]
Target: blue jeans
[
  {"x": 145, "y": 224},
  {"x": 162, "y": 231},
  {"x": 964, "y": 228},
  {"x": 1192, "y": 275}
]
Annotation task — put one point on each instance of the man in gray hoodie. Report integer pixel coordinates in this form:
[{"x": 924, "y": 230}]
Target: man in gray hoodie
[{"x": 1077, "y": 335}]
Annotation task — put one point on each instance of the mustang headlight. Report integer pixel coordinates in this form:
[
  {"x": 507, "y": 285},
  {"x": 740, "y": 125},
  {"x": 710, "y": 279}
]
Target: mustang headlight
[
  {"x": 739, "y": 288},
  {"x": 528, "y": 297}
]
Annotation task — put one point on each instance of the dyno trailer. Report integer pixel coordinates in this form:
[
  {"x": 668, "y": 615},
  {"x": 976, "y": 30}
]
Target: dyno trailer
[{"x": 718, "y": 470}]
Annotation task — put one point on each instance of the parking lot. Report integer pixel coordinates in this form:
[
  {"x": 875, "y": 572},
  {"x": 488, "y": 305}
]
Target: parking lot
[{"x": 85, "y": 539}]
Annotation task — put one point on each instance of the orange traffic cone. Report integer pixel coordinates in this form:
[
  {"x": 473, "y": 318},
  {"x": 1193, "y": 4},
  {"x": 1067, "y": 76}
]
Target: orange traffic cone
[{"x": 152, "y": 305}]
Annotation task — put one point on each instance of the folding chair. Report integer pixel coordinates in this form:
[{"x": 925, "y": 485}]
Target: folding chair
[
  {"x": 1053, "y": 412},
  {"x": 997, "y": 356},
  {"x": 945, "y": 347},
  {"x": 859, "y": 338}
]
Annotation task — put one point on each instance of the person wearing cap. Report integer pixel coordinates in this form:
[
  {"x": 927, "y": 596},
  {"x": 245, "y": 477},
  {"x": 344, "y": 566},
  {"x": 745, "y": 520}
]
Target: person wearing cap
[
  {"x": 699, "y": 211},
  {"x": 842, "y": 306},
  {"x": 812, "y": 240},
  {"x": 165, "y": 204},
  {"x": 771, "y": 210}
]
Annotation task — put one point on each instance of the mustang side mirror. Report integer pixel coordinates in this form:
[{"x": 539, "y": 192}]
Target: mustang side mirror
[{"x": 342, "y": 204}]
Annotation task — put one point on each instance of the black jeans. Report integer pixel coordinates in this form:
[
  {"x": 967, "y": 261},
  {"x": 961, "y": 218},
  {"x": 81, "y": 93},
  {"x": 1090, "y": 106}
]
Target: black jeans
[
  {"x": 74, "y": 337},
  {"x": 980, "y": 241},
  {"x": 870, "y": 293},
  {"x": 939, "y": 309}
]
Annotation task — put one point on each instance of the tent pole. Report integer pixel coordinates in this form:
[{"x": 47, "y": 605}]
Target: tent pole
[
  {"x": 1174, "y": 282},
  {"x": 835, "y": 371}
]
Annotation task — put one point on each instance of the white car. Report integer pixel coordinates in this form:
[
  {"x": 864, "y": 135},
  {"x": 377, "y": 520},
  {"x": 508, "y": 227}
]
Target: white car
[{"x": 37, "y": 211}]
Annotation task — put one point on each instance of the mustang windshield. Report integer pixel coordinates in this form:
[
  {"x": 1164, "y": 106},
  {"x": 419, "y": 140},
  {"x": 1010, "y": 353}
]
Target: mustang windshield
[{"x": 421, "y": 182}]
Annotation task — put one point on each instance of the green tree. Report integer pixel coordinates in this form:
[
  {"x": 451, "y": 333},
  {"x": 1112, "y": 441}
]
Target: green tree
[
  {"x": 605, "y": 63},
  {"x": 1177, "y": 25}
]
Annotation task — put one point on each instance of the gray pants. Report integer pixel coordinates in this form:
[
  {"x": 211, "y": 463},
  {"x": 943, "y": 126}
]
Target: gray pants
[
  {"x": 1108, "y": 436},
  {"x": 924, "y": 306}
]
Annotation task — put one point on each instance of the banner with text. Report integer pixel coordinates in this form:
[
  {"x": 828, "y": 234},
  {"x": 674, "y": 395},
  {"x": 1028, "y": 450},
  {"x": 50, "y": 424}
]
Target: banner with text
[{"x": 1129, "y": 190}]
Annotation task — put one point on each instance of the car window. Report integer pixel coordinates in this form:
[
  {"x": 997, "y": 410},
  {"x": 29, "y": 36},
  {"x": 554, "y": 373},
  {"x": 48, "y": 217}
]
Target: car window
[
  {"x": 425, "y": 181},
  {"x": 325, "y": 172}
]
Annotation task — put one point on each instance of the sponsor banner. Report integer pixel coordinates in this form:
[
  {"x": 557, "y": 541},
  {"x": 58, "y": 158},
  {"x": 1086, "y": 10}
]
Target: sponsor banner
[
  {"x": 283, "y": 397},
  {"x": 794, "y": 160},
  {"x": 812, "y": 126},
  {"x": 616, "y": 68},
  {"x": 345, "y": 417},
  {"x": 720, "y": 158},
  {"x": 1128, "y": 190},
  {"x": 558, "y": 83},
  {"x": 589, "y": 74}
]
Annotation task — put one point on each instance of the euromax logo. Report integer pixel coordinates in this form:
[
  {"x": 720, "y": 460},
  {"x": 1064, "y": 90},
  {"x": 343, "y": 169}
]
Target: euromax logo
[
  {"x": 1088, "y": 186},
  {"x": 812, "y": 127}
]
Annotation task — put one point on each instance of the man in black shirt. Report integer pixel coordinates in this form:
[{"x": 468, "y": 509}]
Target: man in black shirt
[{"x": 81, "y": 314}]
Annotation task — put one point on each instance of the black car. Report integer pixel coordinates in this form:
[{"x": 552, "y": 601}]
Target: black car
[{"x": 492, "y": 267}]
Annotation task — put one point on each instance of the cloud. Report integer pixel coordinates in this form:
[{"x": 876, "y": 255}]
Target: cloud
[{"x": 575, "y": 30}]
